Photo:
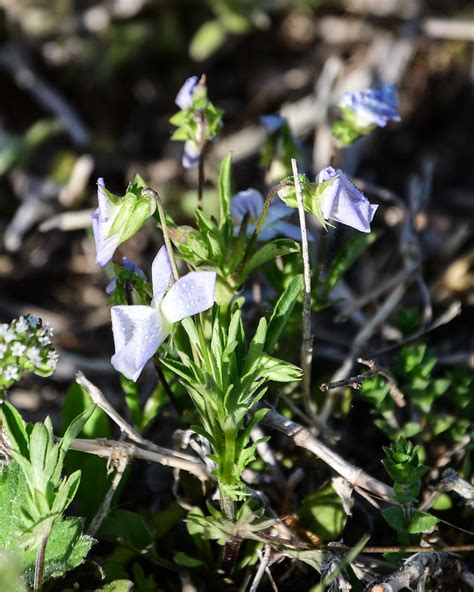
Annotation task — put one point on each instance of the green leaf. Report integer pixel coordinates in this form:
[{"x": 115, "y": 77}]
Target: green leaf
[
  {"x": 126, "y": 528},
  {"x": 10, "y": 573},
  {"x": 278, "y": 370},
  {"x": 15, "y": 428},
  {"x": 118, "y": 586},
  {"x": 93, "y": 468},
  {"x": 421, "y": 522},
  {"x": 207, "y": 39},
  {"x": 442, "y": 502},
  {"x": 186, "y": 560},
  {"x": 76, "y": 402},
  {"x": 66, "y": 549},
  {"x": 395, "y": 517},
  {"x": 353, "y": 248},
  {"x": 322, "y": 513},
  {"x": 12, "y": 493},
  {"x": 75, "y": 428},
  {"x": 224, "y": 189},
  {"x": 282, "y": 312},
  {"x": 270, "y": 251}
]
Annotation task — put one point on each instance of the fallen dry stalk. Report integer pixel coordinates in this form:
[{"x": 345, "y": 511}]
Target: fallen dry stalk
[
  {"x": 116, "y": 451},
  {"x": 451, "y": 481},
  {"x": 432, "y": 566},
  {"x": 354, "y": 475}
]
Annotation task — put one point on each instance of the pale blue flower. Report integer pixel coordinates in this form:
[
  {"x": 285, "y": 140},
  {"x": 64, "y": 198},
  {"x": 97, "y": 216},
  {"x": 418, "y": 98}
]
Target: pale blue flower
[
  {"x": 342, "y": 202},
  {"x": 272, "y": 122},
  {"x": 184, "y": 98},
  {"x": 251, "y": 202},
  {"x": 375, "y": 106},
  {"x": 102, "y": 220},
  {"x": 116, "y": 219},
  {"x": 130, "y": 265},
  {"x": 139, "y": 330},
  {"x": 191, "y": 154}
]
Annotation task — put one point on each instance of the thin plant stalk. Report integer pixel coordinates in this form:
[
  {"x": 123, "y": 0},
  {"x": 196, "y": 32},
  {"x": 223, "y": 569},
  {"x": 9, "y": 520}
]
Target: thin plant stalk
[
  {"x": 268, "y": 200},
  {"x": 307, "y": 344},
  {"x": 39, "y": 564},
  {"x": 164, "y": 227},
  {"x": 202, "y": 151}
]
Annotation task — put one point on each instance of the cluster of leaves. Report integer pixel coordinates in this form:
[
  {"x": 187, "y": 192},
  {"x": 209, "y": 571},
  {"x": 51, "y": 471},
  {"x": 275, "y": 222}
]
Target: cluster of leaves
[
  {"x": 403, "y": 465},
  {"x": 34, "y": 496},
  {"x": 200, "y": 122},
  {"x": 227, "y": 381},
  {"x": 442, "y": 404},
  {"x": 216, "y": 246}
]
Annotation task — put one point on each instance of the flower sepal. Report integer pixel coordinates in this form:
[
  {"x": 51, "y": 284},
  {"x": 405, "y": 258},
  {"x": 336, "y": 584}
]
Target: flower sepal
[
  {"x": 312, "y": 195},
  {"x": 116, "y": 219}
]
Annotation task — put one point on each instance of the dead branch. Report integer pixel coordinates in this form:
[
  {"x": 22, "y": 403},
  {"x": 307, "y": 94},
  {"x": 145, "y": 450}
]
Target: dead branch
[
  {"x": 451, "y": 481},
  {"x": 435, "y": 565},
  {"x": 354, "y": 475},
  {"x": 115, "y": 450}
]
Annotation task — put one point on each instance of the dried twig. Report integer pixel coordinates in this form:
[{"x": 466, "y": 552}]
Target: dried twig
[
  {"x": 302, "y": 437},
  {"x": 99, "y": 399},
  {"x": 105, "y": 505},
  {"x": 438, "y": 565},
  {"x": 394, "y": 391},
  {"x": 115, "y": 450},
  {"x": 264, "y": 561},
  {"x": 451, "y": 481},
  {"x": 356, "y": 382}
]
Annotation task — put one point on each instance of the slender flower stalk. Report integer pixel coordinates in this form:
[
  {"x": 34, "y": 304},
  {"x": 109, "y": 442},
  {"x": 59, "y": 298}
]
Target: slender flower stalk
[
  {"x": 164, "y": 228},
  {"x": 202, "y": 154},
  {"x": 307, "y": 344},
  {"x": 253, "y": 239}
]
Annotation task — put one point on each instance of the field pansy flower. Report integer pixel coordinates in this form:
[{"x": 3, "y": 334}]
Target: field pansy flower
[
  {"x": 116, "y": 219},
  {"x": 375, "y": 106},
  {"x": 251, "y": 202},
  {"x": 342, "y": 202},
  {"x": 139, "y": 330},
  {"x": 184, "y": 98}
]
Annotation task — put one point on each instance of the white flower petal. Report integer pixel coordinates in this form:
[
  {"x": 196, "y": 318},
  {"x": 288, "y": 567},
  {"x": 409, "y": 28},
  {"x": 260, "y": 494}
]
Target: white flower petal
[
  {"x": 161, "y": 275},
  {"x": 138, "y": 332},
  {"x": 191, "y": 294}
]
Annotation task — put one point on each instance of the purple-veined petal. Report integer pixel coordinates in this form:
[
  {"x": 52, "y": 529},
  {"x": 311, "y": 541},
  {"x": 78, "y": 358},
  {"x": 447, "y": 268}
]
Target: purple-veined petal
[
  {"x": 138, "y": 332},
  {"x": 191, "y": 294},
  {"x": 106, "y": 207},
  {"x": 105, "y": 245},
  {"x": 190, "y": 155},
  {"x": 272, "y": 122},
  {"x": 184, "y": 98},
  {"x": 161, "y": 275},
  {"x": 249, "y": 201},
  {"x": 343, "y": 202}
]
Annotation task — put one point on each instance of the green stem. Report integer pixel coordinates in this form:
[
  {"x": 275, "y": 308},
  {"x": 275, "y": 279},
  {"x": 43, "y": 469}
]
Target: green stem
[
  {"x": 39, "y": 564},
  {"x": 164, "y": 227},
  {"x": 202, "y": 150},
  {"x": 261, "y": 220},
  {"x": 227, "y": 473}
]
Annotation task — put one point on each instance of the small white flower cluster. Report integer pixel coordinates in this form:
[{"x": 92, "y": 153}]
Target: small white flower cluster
[{"x": 25, "y": 345}]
